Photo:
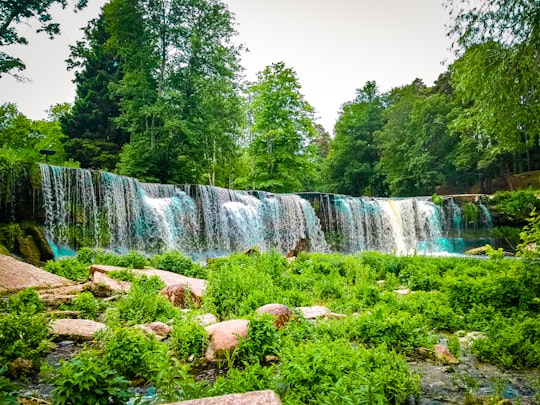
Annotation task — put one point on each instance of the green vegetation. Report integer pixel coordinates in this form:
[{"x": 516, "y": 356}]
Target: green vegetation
[{"x": 360, "y": 355}]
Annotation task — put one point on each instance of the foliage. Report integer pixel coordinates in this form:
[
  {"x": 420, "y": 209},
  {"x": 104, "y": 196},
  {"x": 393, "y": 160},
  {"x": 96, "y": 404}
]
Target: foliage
[
  {"x": 86, "y": 380},
  {"x": 334, "y": 371},
  {"x": 128, "y": 351},
  {"x": 8, "y": 390},
  {"x": 68, "y": 267},
  {"x": 262, "y": 340},
  {"x": 86, "y": 304},
  {"x": 14, "y": 14},
  {"x": 530, "y": 237},
  {"x": 132, "y": 259},
  {"x": 281, "y": 124},
  {"x": 143, "y": 304},
  {"x": 24, "y": 331},
  {"x": 188, "y": 337},
  {"x": 350, "y": 166},
  {"x": 179, "y": 263},
  {"x": 514, "y": 206}
]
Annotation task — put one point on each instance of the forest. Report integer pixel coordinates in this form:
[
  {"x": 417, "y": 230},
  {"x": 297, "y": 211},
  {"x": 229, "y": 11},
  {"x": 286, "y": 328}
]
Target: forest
[{"x": 160, "y": 96}]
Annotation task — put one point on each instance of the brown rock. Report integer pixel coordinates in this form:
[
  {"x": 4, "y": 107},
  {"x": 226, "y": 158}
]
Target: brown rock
[
  {"x": 443, "y": 355},
  {"x": 16, "y": 275},
  {"x": 78, "y": 329},
  {"x": 158, "y": 329},
  {"x": 103, "y": 280},
  {"x": 281, "y": 313},
  {"x": 176, "y": 294},
  {"x": 266, "y": 397},
  {"x": 20, "y": 366},
  {"x": 224, "y": 336}
]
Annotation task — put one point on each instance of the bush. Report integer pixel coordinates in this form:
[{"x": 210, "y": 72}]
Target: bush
[
  {"x": 68, "y": 267},
  {"x": 132, "y": 259},
  {"x": 188, "y": 338},
  {"x": 514, "y": 206},
  {"x": 129, "y": 351},
  {"x": 262, "y": 340},
  {"x": 86, "y": 304},
  {"x": 26, "y": 301},
  {"x": 143, "y": 304},
  {"x": 86, "y": 380},
  {"x": 179, "y": 263}
]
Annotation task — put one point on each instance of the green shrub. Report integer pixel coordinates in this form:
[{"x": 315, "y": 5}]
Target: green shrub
[
  {"x": 68, "y": 267},
  {"x": 86, "y": 304},
  {"x": 86, "y": 380},
  {"x": 421, "y": 275},
  {"x": 435, "y": 309},
  {"x": 26, "y": 301},
  {"x": 179, "y": 263},
  {"x": 511, "y": 342},
  {"x": 86, "y": 255},
  {"x": 252, "y": 377},
  {"x": 132, "y": 259},
  {"x": 143, "y": 304},
  {"x": 23, "y": 335},
  {"x": 188, "y": 338},
  {"x": 514, "y": 206},
  {"x": 262, "y": 340},
  {"x": 8, "y": 390},
  {"x": 334, "y": 371},
  {"x": 129, "y": 351},
  {"x": 123, "y": 275}
]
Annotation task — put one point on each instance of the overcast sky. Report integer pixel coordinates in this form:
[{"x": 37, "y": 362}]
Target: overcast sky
[{"x": 334, "y": 46}]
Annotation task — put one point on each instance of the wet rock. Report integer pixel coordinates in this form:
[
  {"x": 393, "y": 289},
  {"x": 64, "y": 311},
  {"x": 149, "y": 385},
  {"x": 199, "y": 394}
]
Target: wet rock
[
  {"x": 16, "y": 275},
  {"x": 266, "y": 397},
  {"x": 224, "y": 337},
  {"x": 281, "y": 313},
  {"x": 77, "y": 329}
]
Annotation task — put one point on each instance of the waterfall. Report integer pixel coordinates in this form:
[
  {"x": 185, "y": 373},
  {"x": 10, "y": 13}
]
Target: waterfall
[
  {"x": 485, "y": 217},
  {"x": 99, "y": 209}
]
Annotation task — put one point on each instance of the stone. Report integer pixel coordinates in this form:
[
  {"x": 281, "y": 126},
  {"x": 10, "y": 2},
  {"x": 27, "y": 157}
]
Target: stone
[
  {"x": 266, "y": 397},
  {"x": 206, "y": 319},
  {"x": 443, "y": 355},
  {"x": 20, "y": 366},
  {"x": 103, "y": 280},
  {"x": 476, "y": 251},
  {"x": 224, "y": 336},
  {"x": 402, "y": 291},
  {"x": 77, "y": 329},
  {"x": 281, "y": 313},
  {"x": 470, "y": 337},
  {"x": 176, "y": 294},
  {"x": 317, "y": 311},
  {"x": 16, "y": 275},
  {"x": 159, "y": 329}
]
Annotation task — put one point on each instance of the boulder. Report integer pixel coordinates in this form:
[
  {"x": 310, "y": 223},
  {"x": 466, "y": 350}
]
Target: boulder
[
  {"x": 266, "y": 397},
  {"x": 176, "y": 294},
  {"x": 319, "y": 311},
  {"x": 224, "y": 336},
  {"x": 443, "y": 355},
  {"x": 159, "y": 329},
  {"x": 16, "y": 275},
  {"x": 402, "y": 291},
  {"x": 103, "y": 280},
  {"x": 77, "y": 329},
  {"x": 281, "y": 313},
  {"x": 206, "y": 319}
]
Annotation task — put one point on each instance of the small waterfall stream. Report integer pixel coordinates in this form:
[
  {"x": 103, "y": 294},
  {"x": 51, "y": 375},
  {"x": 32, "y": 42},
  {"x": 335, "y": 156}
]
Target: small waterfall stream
[{"x": 100, "y": 209}]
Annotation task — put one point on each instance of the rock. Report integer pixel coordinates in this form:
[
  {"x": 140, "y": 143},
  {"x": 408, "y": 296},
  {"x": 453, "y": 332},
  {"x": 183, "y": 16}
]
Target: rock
[
  {"x": 159, "y": 329},
  {"x": 402, "y": 291},
  {"x": 77, "y": 329},
  {"x": 110, "y": 284},
  {"x": 54, "y": 300},
  {"x": 206, "y": 319},
  {"x": 32, "y": 401},
  {"x": 281, "y": 313},
  {"x": 470, "y": 337},
  {"x": 176, "y": 294},
  {"x": 266, "y": 397},
  {"x": 319, "y": 311},
  {"x": 443, "y": 355},
  {"x": 476, "y": 251},
  {"x": 16, "y": 275},
  {"x": 224, "y": 336},
  {"x": 301, "y": 246}
]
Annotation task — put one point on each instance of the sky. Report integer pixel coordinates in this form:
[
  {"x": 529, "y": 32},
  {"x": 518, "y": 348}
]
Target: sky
[{"x": 334, "y": 46}]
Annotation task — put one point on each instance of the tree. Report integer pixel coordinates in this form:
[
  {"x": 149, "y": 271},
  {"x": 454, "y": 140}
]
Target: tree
[
  {"x": 93, "y": 136},
  {"x": 415, "y": 144},
  {"x": 16, "y": 12},
  {"x": 179, "y": 96},
  {"x": 281, "y": 126},
  {"x": 350, "y": 165}
]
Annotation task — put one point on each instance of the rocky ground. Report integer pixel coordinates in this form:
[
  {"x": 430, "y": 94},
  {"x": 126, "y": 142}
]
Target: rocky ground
[{"x": 465, "y": 382}]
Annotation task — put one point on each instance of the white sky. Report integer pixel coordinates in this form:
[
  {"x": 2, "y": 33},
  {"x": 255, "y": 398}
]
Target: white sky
[{"x": 334, "y": 46}]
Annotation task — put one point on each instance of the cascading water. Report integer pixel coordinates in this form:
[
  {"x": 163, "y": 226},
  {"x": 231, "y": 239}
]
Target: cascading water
[{"x": 99, "y": 209}]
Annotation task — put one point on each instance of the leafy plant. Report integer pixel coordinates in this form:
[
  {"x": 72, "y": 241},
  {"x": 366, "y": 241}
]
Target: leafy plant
[
  {"x": 188, "y": 338},
  {"x": 8, "y": 390},
  {"x": 68, "y": 267},
  {"x": 86, "y": 304},
  {"x": 179, "y": 263},
  {"x": 87, "y": 380},
  {"x": 26, "y": 301},
  {"x": 262, "y": 340},
  {"x": 132, "y": 259}
]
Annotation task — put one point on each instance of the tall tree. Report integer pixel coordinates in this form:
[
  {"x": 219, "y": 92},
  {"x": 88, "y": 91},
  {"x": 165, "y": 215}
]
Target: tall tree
[
  {"x": 16, "y": 12},
  {"x": 281, "y": 126},
  {"x": 94, "y": 139},
  {"x": 350, "y": 165},
  {"x": 179, "y": 94}
]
